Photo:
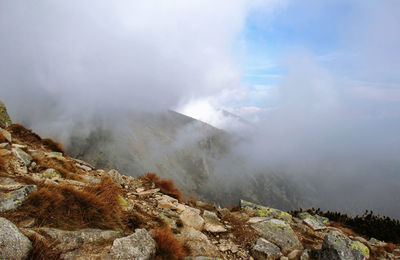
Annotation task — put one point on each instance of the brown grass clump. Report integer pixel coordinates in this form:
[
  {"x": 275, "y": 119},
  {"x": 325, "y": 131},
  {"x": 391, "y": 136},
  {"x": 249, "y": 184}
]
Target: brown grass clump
[
  {"x": 166, "y": 186},
  {"x": 5, "y": 163},
  {"x": 67, "y": 169},
  {"x": 42, "y": 250},
  {"x": 25, "y": 135},
  {"x": 3, "y": 139},
  {"x": 345, "y": 230},
  {"x": 389, "y": 247},
  {"x": 53, "y": 145},
  {"x": 168, "y": 247},
  {"x": 243, "y": 235},
  {"x": 65, "y": 207}
]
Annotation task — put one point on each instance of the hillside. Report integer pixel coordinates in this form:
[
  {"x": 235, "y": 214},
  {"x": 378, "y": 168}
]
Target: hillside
[
  {"x": 199, "y": 158},
  {"x": 53, "y": 206}
]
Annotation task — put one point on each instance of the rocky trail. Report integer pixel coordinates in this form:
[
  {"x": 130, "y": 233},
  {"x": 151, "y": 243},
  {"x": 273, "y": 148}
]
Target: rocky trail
[{"x": 53, "y": 206}]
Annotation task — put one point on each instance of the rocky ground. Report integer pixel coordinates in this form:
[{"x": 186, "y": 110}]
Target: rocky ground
[{"x": 56, "y": 207}]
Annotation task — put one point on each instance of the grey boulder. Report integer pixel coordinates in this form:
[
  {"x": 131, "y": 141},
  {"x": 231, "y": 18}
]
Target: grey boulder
[
  {"x": 265, "y": 250},
  {"x": 280, "y": 233},
  {"x": 337, "y": 246},
  {"x": 13, "y": 244},
  {"x": 139, "y": 245}
]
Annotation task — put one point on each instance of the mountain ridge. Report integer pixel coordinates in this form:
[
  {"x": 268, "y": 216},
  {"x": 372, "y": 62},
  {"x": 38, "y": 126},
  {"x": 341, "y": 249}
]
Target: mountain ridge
[{"x": 53, "y": 206}]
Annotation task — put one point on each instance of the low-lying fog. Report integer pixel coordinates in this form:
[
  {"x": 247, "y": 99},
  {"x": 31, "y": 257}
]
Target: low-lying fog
[{"x": 333, "y": 121}]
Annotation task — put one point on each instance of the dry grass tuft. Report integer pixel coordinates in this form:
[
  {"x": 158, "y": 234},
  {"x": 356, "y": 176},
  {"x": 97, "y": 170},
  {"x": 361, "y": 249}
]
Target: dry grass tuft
[
  {"x": 67, "y": 169},
  {"x": 24, "y": 135},
  {"x": 65, "y": 207},
  {"x": 53, "y": 145},
  {"x": 3, "y": 139},
  {"x": 243, "y": 235},
  {"x": 42, "y": 250},
  {"x": 5, "y": 163},
  {"x": 166, "y": 186},
  {"x": 389, "y": 247},
  {"x": 168, "y": 247},
  {"x": 345, "y": 230}
]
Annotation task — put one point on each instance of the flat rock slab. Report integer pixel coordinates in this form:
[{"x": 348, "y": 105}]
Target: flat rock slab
[
  {"x": 197, "y": 242},
  {"x": 13, "y": 244},
  {"x": 6, "y": 135},
  {"x": 26, "y": 158},
  {"x": 212, "y": 222},
  {"x": 338, "y": 246},
  {"x": 262, "y": 211},
  {"x": 279, "y": 233},
  {"x": 305, "y": 215},
  {"x": 70, "y": 240},
  {"x": 191, "y": 218},
  {"x": 265, "y": 250},
  {"x": 314, "y": 224},
  {"x": 13, "y": 199},
  {"x": 139, "y": 245}
]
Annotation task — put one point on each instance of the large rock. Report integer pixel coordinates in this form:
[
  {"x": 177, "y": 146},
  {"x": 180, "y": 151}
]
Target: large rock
[
  {"x": 338, "y": 246},
  {"x": 279, "y": 233},
  {"x": 191, "y": 218},
  {"x": 265, "y": 250},
  {"x": 262, "y": 211},
  {"x": 315, "y": 222},
  {"x": 26, "y": 158},
  {"x": 116, "y": 177},
  {"x": 212, "y": 222},
  {"x": 13, "y": 244},
  {"x": 139, "y": 245},
  {"x": 13, "y": 199},
  {"x": 197, "y": 242},
  {"x": 70, "y": 240},
  {"x": 5, "y": 136},
  {"x": 5, "y": 120}
]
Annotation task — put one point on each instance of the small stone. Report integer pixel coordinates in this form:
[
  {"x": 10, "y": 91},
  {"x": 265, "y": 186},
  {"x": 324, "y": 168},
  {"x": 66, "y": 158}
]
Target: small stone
[
  {"x": 305, "y": 255},
  {"x": 84, "y": 167},
  {"x": 5, "y": 146},
  {"x": 51, "y": 173},
  {"x": 294, "y": 254},
  {"x": 165, "y": 204},
  {"x": 20, "y": 146},
  {"x": 254, "y": 220},
  {"x": 6, "y": 135}
]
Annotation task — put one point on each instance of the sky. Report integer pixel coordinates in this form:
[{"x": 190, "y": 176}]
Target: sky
[
  {"x": 317, "y": 81},
  {"x": 354, "y": 42}
]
